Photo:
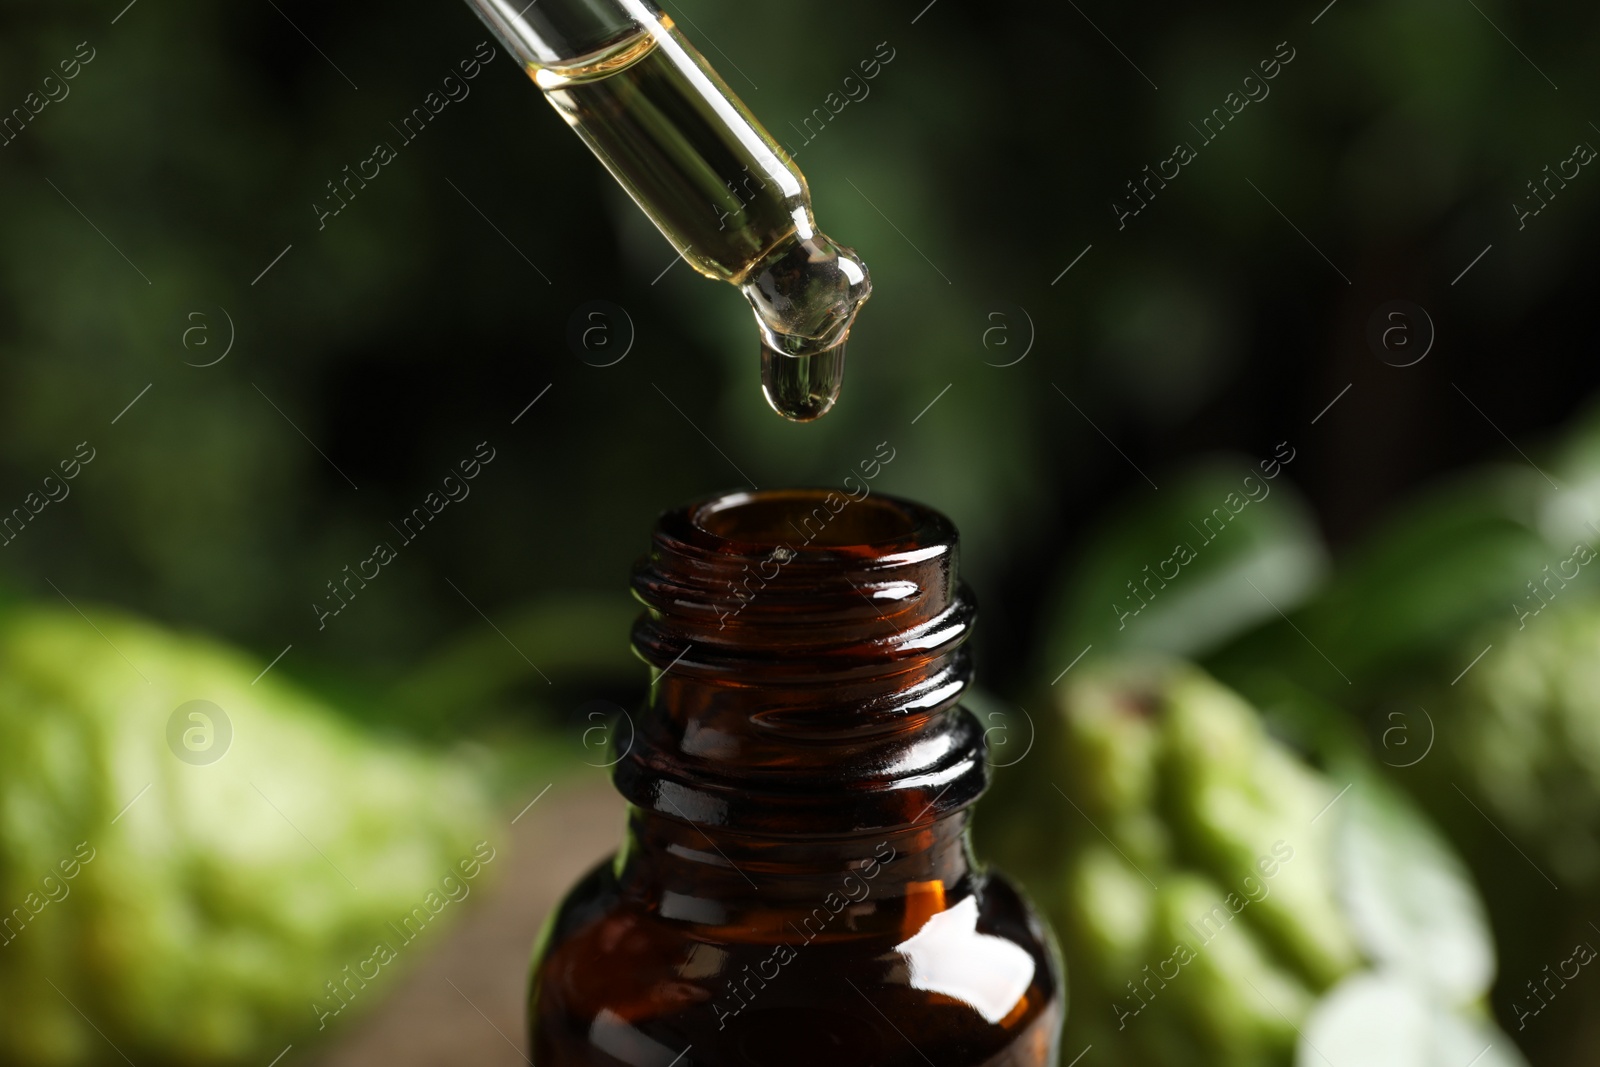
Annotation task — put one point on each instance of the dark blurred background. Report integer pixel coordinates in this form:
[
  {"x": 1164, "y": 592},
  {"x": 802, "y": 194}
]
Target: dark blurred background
[
  {"x": 408, "y": 329},
  {"x": 162, "y": 213}
]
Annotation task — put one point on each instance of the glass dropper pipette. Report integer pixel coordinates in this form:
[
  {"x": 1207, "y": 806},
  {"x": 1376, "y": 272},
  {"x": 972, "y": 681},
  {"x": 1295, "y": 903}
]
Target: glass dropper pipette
[{"x": 709, "y": 176}]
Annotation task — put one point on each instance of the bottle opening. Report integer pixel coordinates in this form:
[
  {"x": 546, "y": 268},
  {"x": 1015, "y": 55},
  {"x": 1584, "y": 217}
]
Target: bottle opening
[
  {"x": 797, "y": 633},
  {"x": 822, "y": 518}
]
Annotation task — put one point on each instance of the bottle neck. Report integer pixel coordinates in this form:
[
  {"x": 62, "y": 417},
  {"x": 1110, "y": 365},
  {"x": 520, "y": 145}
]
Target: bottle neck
[
  {"x": 809, "y": 650},
  {"x": 868, "y": 884}
]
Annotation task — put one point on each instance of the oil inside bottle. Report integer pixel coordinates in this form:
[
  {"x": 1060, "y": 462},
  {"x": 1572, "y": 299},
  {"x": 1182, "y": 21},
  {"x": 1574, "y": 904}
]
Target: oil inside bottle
[{"x": 725, "y": 194}]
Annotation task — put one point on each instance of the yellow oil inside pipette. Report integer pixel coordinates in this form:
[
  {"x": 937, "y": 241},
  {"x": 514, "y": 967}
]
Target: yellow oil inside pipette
[{"x": 724, "y": 193}]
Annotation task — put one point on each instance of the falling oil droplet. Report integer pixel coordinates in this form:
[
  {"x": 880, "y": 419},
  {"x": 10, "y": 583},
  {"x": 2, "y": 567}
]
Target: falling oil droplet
[
  {"x": 802, "y": 388},
  {"x": 805, "y": 295}
]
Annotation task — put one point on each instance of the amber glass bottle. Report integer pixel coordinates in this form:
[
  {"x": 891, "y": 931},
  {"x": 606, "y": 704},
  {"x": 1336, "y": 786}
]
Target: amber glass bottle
[{"x": 797, "y": 884}]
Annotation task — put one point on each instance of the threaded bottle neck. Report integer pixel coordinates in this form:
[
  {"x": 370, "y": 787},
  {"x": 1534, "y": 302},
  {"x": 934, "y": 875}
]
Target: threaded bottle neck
[{"x": 809, "y": 654}]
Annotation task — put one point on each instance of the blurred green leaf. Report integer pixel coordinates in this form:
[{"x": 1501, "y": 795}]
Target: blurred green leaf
[
  {"x": 1434, "y": 571},
  {"x": 1130, "y": 588},
  {"x": 1410, "y": 901},
  {"x": 1384, "y": 1020}
]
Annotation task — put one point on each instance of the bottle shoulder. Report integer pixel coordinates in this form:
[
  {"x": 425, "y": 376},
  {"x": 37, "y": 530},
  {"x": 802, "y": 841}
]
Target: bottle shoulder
[{"x": 974, "y": 978}]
